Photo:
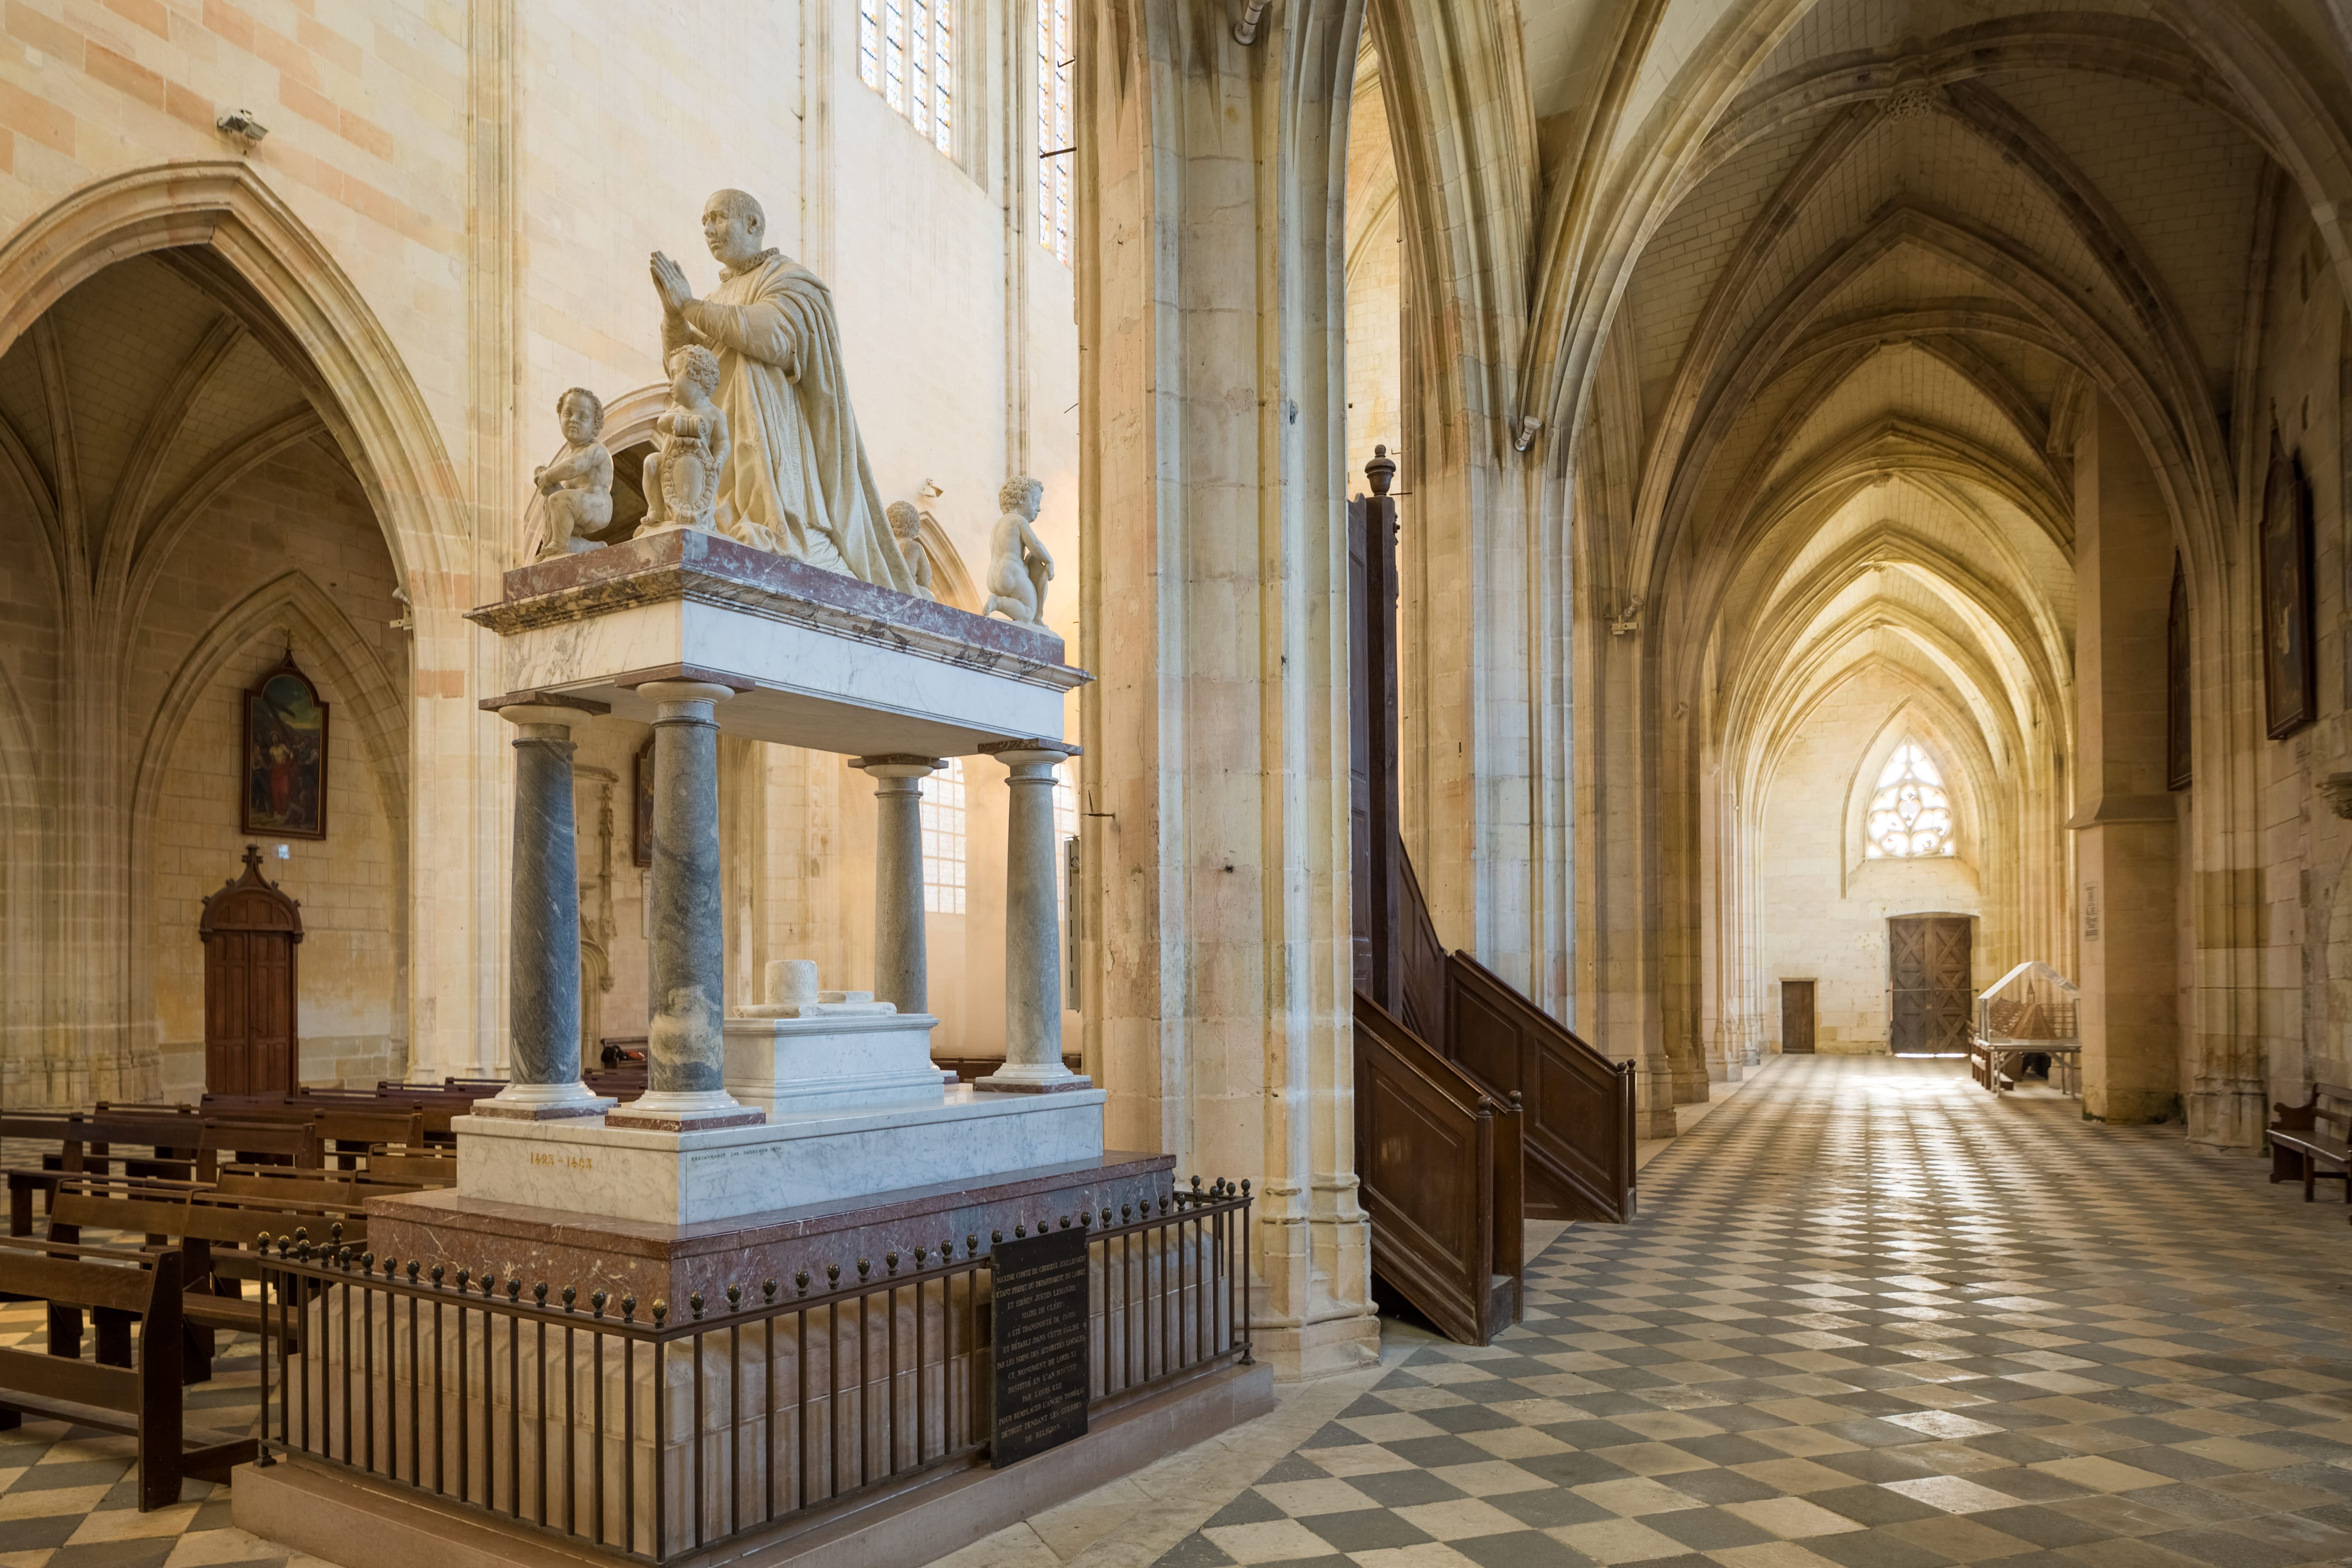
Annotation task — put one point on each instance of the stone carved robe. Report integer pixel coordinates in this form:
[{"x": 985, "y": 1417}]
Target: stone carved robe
[{"x": 797, "y": 470}]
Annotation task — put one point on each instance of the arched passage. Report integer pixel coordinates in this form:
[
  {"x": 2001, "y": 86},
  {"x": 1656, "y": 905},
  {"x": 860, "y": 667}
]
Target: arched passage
[{"x": 197, "y": 410}]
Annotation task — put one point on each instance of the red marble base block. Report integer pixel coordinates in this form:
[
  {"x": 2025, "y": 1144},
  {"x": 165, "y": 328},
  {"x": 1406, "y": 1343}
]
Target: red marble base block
[{"x": 672, "y": 1262}]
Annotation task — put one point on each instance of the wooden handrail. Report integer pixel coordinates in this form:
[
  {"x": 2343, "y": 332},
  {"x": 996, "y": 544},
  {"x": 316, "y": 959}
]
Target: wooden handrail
[
  {"x": 1421, "y": 979},
  {"x": 1579, "y": 1102}
]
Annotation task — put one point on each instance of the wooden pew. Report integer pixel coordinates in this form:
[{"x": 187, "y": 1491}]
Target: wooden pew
[
  {"x": 216, "y": 1233},
  {"x": 142, "y": 1399},
  {"x": 347, "y": 1125},
  {"x": 414, "y": 1170},
  {"x": 290, "y": 1141},
  {"x": 185, "y": 1147},
  {"x": 2308, "y": 1137}
]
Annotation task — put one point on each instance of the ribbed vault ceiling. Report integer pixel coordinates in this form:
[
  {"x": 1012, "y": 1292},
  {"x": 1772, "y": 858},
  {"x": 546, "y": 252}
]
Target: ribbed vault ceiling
[
  {"x": 1844, "y": 367},
  {"x": 134, "y": 403}
]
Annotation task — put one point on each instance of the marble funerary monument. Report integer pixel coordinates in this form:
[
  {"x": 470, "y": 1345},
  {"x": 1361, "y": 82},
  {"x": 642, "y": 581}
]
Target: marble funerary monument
[{"x": 782, "y": 1137}]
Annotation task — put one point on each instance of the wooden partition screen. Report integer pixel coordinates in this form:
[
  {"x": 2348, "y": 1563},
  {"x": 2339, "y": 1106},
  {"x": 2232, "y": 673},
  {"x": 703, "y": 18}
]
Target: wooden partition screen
[{"x": 1440, "y": 1164}]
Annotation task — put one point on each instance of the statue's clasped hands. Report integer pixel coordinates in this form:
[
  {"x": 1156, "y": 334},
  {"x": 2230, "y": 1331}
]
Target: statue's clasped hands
[{"x": 670, "y": 281}]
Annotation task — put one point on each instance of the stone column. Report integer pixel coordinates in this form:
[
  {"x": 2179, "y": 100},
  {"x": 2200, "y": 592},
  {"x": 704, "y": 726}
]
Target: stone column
[
  {"x": 1219, "y": 981},
  {"x": 901, "y": 966},
  {"x": 686, "y": 1047},
  {"x": 1033, "y": 926},
  {"x": 543, "y": 929},
  {"x": 2127, "y": 895}
]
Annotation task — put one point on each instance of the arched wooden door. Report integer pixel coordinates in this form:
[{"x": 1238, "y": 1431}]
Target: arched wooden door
[{"x": 249, "y": 930}]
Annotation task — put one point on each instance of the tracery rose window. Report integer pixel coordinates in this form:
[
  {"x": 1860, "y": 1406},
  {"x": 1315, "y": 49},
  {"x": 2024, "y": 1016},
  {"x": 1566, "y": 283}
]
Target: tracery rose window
[{"x": 1911, "y": 815}]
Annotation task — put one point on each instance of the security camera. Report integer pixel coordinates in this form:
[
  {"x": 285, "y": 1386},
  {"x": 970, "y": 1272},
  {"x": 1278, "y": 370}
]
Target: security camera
[{"x": 241, "y": 122}]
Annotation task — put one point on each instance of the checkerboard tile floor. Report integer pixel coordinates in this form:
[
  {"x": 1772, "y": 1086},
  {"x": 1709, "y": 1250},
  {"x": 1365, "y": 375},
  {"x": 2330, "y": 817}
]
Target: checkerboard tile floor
[
  {"x": 1872, "y": 1317},
  {"x": 68, "y": 1496}
]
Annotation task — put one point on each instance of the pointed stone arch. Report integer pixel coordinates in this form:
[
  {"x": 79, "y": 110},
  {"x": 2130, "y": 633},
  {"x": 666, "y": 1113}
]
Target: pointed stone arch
[
  {"x": 23, "y": 926},
  {"x": 364, "y": 695},
  {"x": 371, "y": 402}
]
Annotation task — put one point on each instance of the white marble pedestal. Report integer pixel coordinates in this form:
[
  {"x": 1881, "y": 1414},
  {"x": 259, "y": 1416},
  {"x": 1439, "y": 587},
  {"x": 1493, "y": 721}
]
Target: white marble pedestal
[
  {"x": 585, "y": 1168},
  {"x": 795, "y": 1067}
]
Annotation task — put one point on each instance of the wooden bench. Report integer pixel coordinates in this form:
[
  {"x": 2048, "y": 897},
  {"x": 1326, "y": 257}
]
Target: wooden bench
[
  {"x": 140, "y": 1395},
  {"x": 276, "y": 1184},
  {"x": 413, "y": 1170},
  {"x": 217, "y": 1234},
  {"x": 2308, "y": 1137},
  {"x": 184, "y": 1147},
  {"x": 349, "y": 1127}
]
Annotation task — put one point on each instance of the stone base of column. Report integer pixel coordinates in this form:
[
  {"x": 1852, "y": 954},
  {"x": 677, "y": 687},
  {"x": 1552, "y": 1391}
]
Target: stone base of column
[
  {"x": 1025, "y": 1078},
  {"x": 699, "y": 1111},
  {"x": 1301, "y": 1353}
]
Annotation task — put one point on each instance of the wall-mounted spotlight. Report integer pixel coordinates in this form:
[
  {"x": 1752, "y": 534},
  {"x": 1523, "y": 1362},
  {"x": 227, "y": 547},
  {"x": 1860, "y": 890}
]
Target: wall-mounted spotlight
[{"x": 240, "y": 123}]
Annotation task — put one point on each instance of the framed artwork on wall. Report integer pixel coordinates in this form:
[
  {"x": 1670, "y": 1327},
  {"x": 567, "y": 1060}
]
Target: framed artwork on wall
[
  {"x": 641, "y": 792},
  {"x": 284, "y": 781},
  {"x": 2290, "y": 668}
]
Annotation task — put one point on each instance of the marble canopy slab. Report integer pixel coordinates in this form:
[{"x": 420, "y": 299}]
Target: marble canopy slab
[
  {"x": 816, "y": 659},
  {"x": 584, "y": 1167}
]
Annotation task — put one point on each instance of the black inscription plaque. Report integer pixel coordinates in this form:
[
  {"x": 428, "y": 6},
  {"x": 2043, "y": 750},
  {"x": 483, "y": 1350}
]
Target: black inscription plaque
[{"x": 1041, "y": 1344}]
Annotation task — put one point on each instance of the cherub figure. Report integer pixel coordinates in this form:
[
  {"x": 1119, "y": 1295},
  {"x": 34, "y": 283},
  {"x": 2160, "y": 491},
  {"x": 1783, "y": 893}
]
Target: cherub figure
[
  {"x": 1018, "y": 566},
  {"x": 682, "y": 476},
  {"x": 907, "y": 528},
  {"x": 579, "y": 484}
]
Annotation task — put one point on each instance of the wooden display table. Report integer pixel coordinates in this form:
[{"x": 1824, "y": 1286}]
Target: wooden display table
[{"x": 1992, "y": 1063}]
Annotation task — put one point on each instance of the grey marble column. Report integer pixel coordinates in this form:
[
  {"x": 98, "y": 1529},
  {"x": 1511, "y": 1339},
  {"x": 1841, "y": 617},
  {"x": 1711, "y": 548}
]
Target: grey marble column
[
  {"x": 543, "y": 924},
  {"x": 902, "y": 965},
  {"x": 686, "y": 1046},
  {"x": 1033, "y": 925}
]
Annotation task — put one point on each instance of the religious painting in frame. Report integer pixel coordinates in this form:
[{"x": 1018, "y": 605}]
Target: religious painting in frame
[
  {"x": 285, "y": 780},
  {"x": 2290, "y": 666},
  {"x": 2177, "y": 769},
  {"x": 641, "y": 792}
]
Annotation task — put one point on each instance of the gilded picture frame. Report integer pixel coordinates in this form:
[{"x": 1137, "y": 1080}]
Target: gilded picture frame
[
  {"x": 2290, "y": 664},
  {"x": 284, "y": 777}
]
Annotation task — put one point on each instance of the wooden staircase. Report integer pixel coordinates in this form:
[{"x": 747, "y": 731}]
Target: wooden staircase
[{"x": 1474, "y": 1106}]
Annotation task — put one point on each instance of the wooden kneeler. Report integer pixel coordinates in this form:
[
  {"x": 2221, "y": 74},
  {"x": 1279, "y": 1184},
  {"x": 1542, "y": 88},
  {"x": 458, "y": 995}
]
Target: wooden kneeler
[{"x": 141, "y": 1400}]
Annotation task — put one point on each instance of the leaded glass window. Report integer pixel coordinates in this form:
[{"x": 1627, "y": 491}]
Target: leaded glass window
[
  {"x": 1055, "y": 96},
  {"x": 905, "y": 52},
  {"x": 943, "y": 839},
  {"x": 1911, "y": 815}
]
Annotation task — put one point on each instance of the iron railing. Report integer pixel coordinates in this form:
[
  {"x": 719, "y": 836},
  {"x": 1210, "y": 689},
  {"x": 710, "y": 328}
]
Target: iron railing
[{"x": 572, "y": 1415}]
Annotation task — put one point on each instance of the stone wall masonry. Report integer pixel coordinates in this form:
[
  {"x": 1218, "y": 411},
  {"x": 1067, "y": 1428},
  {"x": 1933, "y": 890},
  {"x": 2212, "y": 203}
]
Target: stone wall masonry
[
  {"x": 1822, "y": 908},
  {"x": 580, "y": 137},
  {"x": 2306, "y": 1002},
  {"x": 301, "y": 513}
]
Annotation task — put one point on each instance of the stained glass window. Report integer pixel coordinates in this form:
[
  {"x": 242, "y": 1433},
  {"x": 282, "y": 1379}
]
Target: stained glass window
[
  {"x": 905, "y": 52},
  {"x": 1911, "y": 815}
]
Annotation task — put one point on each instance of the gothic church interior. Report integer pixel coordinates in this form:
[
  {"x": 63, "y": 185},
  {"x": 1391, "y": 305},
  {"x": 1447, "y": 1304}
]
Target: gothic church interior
[{"x": 1624, "y": 596}]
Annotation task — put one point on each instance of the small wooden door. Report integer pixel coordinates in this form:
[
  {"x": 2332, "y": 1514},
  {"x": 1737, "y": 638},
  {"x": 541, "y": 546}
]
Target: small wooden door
[
  {"x": 1796, "y": 1018},
  {"x": 249, "y": 930},
  {"x": 1930, "y": 993}
]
